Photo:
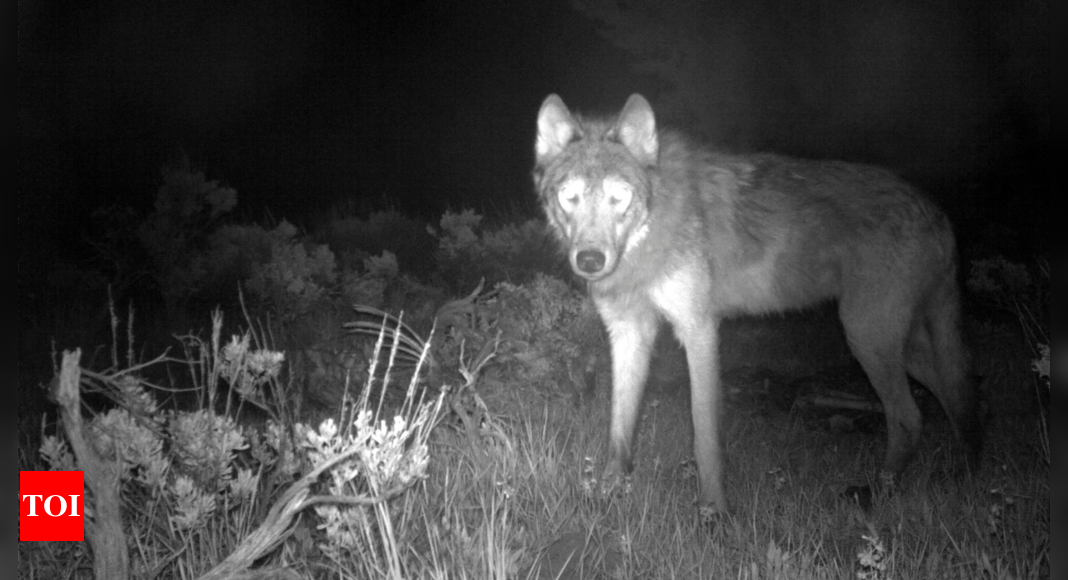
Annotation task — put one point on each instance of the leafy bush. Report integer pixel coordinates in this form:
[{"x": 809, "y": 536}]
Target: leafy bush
[
  {"x": 192, "y": 478},
  {"x": 297, "y": 276},
  {"x": 235, "y": 251},
  {"x": 468, "y": 253},
  {"x": 175, "y": 234},
  {"x": 354, "y": 239},
  {"x": 369, "y": 286},
  {"x": 199, "y": 480},
  {"x": 554, "y": 333}
]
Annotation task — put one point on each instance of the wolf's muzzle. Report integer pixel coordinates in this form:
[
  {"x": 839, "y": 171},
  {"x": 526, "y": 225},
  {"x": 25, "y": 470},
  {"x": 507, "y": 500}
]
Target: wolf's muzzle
[{"x": 590, "y": 261}]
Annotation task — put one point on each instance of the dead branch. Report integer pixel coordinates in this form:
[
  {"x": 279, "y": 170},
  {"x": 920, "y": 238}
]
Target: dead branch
[{"x": 102, "y": 476}]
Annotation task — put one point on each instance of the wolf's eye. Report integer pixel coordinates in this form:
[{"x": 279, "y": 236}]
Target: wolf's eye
[
  {"x": 570, "y": 192},
  {"x": 619, "y": 193}
]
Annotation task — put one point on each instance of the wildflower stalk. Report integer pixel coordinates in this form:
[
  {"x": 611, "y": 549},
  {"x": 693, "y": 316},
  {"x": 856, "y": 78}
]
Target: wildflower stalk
[{"x": 372, "y": 461}]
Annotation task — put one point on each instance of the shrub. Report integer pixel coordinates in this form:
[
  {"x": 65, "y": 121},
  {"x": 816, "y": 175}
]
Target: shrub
[
  {"x": 468, "y": 253},
  {"x": 175, "y": 233},
  {"x": 199, "y": 480},
  {"x": 354, "y": 239},
  {"x": 297, "y": 276}
]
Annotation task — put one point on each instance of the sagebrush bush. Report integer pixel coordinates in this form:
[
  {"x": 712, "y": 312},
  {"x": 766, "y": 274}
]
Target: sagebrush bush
[
  {"x": 201, "y": 480},
  {"x": 354, "y": 239},
  {"x": 175, "y": 234},
  {"x": 298, "y": 276},
  {"x": 468, "y": 253}
]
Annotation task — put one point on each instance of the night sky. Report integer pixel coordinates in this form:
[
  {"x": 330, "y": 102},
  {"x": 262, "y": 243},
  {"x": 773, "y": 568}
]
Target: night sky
[{"x": 424, "y": 106}]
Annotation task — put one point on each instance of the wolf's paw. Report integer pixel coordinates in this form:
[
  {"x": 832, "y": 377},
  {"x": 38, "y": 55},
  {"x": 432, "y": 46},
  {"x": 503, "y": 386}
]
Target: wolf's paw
[
  {"x": 615, "y": 484},
  {"x": 864, "y": 496},
  {"x": 710, "y": 518},
  {"x": 611, "y": 484}
]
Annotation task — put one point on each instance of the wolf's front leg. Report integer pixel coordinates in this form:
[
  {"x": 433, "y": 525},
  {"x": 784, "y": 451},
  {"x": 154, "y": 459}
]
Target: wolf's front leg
[
  {"x": 701, "y": 339},
  {"x": 632, "y": 336}
]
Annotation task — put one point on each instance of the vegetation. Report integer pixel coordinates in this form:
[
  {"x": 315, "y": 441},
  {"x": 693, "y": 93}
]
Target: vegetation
[{"x": 382, "y": 414}]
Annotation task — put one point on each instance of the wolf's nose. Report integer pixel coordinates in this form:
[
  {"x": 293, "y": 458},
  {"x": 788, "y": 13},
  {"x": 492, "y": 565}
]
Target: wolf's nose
[{"x": 590, "y": 261}]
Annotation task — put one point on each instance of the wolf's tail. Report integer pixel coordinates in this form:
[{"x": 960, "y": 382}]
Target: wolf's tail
[{"x": 945, "y": 366}]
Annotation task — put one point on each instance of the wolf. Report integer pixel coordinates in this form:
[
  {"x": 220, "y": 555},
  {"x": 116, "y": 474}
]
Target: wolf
[{"x": 662, "y": 229}]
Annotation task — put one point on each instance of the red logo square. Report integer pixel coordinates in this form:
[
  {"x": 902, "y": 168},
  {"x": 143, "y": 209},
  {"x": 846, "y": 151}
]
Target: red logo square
[{"x": 52, "y": 506}]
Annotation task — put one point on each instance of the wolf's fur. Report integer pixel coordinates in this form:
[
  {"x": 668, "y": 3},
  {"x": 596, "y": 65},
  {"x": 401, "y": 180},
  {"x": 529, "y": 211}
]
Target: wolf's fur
[{"x": 662, "y": 229}]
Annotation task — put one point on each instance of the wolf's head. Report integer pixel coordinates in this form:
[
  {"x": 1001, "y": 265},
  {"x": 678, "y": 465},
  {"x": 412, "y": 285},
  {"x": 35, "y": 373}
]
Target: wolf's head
[{"x": 594, "y": 180}]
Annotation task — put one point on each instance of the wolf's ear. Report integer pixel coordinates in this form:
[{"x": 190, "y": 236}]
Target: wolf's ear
[
  {"x": 637, "y": 130},
  {"x": 556, "y": 129}
]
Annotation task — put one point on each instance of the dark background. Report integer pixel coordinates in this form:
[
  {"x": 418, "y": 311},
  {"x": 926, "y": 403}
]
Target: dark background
[{"x": 424, "y": 106}]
